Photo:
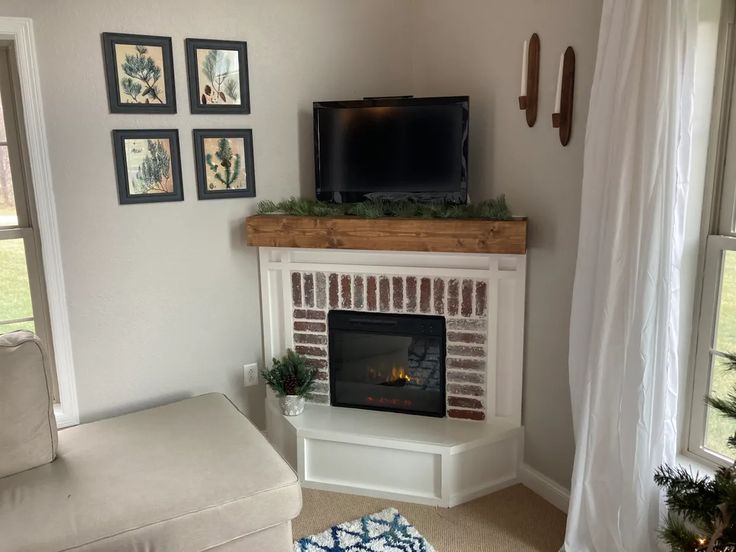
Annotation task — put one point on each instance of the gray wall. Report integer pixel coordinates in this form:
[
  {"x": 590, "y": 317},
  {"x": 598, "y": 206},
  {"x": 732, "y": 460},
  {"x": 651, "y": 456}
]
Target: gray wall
[
  {"x": 164, "y": 298},
  {"x": 474, "y": 47}
]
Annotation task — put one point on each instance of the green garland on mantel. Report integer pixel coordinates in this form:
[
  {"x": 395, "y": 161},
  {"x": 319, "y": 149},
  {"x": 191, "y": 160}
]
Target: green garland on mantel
[{"x": 492, "y": 209}]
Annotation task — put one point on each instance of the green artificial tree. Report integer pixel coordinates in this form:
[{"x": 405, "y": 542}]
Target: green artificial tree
[
  {"x": 701, "y": 508},
  {"x": 229, "y": 162}
]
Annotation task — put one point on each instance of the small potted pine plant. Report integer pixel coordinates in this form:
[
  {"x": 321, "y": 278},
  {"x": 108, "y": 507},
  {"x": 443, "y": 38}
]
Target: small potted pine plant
[{"x": 292, "y": 380}]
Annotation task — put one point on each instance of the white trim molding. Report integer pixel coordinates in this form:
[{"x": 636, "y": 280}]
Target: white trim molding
[
  {"x": 505, "y": 276},
  {"x": 433, "y": 461},
  {"x": 20, "y": 31},
  {"x": 436, "y": 461},
  {"x": 549, "y": 490}
]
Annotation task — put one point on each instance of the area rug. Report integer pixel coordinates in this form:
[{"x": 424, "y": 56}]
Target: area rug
[{"x": 385, "y": 531}]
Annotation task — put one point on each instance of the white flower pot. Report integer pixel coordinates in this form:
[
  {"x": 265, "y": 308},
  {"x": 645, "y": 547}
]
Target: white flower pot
[{"x": 292, "y": 405}]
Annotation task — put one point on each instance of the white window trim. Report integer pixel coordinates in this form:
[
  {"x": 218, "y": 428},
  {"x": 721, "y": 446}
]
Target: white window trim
[
  {"x": 20, "y": 31},
  {"x": 713, "y": 241},
  {"x": 716, "y": 246}
]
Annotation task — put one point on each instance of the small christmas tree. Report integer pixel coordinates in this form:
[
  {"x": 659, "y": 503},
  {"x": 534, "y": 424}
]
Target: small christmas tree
[{"x": 702, "y": 509}]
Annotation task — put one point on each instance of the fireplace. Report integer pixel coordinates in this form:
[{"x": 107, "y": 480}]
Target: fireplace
[{"x": 393, "y": 362}]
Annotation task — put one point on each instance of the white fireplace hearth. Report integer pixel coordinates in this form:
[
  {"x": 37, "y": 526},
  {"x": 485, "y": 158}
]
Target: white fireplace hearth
[{"x": 476, "y": 448}]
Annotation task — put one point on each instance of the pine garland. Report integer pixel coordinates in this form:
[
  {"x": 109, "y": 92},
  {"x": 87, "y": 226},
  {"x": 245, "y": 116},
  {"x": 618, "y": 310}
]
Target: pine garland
[
  {"x": 701, "y": 508},
  {"x": 493, "y": 209}
]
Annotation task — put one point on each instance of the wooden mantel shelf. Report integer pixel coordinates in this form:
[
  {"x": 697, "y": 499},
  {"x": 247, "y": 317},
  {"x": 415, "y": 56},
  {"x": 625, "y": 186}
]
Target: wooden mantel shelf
[{"x": 389, "y": 234}]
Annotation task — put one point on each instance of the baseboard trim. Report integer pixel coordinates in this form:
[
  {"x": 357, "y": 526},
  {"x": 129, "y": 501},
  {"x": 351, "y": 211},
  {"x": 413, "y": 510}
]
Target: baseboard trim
[
  {"x": 551, "y": 491},
  {"x": 470, "y": 494}
]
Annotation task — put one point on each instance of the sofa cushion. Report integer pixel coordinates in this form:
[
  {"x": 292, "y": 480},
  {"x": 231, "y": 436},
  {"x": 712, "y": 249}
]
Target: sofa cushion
[
  {"x": 28, "y": 428},
  {"x": 182, "y": 477}
]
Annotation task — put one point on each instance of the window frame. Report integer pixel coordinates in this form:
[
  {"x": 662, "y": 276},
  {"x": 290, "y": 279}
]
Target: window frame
[
  {"x": 716, "y": 246},
  {"x": 718, "y": 235},
  {"x": 19, "y": 31},
  {"x": 27, "y": 222}
]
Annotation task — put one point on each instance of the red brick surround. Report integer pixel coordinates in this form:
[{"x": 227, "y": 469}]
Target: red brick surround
[{"x": 463, "y": 303}]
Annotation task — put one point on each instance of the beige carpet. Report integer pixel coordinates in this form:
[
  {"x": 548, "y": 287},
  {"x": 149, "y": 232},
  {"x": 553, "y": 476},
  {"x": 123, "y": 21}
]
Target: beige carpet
[{"x": 514, "y": 519}]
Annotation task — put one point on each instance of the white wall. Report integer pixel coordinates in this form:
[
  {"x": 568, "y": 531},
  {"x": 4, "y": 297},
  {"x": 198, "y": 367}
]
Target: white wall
[
  {"x": 163, "y": 298},
  {"x": 474, "y": 47}
]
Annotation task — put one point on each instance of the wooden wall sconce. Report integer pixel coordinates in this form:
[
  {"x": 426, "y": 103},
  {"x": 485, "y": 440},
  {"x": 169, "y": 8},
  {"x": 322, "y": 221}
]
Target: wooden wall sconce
[
  {"x": 529, "y": 95},
  {"x": 562, "y": 116}
]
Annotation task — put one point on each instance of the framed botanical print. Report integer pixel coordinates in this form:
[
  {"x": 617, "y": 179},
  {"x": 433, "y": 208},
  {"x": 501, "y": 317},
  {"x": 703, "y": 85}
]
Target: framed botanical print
[
  {"x": 218, "y": 76},
  {"x": 140, "y": 73},
  {"x": 148, "y": 166},
  {"x": 224, "y": 163}
]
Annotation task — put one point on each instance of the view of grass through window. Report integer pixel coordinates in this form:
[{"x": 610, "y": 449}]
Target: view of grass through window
[
  {"x": 15, "y": 294},
  {"x": 723, "y": 382}
]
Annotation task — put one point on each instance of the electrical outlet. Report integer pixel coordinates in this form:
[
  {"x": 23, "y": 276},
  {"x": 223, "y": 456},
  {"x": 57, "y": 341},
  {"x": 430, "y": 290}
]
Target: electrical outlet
[{"x": 250, "y": 374}]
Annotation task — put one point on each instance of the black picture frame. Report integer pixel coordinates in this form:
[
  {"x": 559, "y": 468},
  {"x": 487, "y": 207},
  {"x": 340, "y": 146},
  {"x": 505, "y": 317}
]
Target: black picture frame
[
  {"x": 203, "y": 192},
  {"x": 109, "y": 41},
  {"x": 195, "y": 100},
  {"x": 125, "y": 196}
]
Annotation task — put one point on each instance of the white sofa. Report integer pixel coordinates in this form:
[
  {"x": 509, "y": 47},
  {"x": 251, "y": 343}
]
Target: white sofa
[{"x": 194, "y": 475}]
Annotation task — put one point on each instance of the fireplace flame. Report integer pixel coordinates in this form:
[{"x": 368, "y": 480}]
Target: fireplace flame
[
  {"x": 398, "y": 374},
  {"x": 397, "y": 377}
]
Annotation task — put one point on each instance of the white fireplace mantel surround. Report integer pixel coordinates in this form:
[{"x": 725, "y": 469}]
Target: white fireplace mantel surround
[{"x": 439, "y": 461}]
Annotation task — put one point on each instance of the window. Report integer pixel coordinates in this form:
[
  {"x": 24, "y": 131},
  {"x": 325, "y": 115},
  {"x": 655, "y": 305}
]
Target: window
[
  {"x": 23, "y": 303},
  {"x": 716, "y": 318}
]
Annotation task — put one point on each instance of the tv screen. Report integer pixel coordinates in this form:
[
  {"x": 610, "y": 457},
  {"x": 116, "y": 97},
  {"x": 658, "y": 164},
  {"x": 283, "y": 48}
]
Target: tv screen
[{"x": 405, "y": 148}]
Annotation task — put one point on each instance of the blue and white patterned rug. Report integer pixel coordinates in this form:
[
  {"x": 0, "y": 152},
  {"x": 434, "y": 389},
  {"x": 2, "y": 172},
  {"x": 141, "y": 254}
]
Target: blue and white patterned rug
[{"x": 386, "y": 531}]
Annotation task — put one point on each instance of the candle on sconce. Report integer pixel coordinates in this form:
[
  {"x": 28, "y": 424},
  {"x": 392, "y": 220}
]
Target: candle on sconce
[
  {"x": 524, "y": 68},
  {"x": 558, "y": 93}
]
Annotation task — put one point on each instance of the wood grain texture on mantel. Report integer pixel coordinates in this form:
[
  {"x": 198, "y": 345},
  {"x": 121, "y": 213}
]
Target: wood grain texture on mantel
[{"x": 389, "y": 234}]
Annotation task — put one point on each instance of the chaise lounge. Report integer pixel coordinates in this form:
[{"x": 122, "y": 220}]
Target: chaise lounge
[{"x": 194, "y": 475}]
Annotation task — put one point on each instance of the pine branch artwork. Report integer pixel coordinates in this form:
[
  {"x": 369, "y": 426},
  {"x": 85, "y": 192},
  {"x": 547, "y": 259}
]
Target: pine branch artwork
[
  {"x": 154, "y": 172},
  {"x": 701, "y": 508},
  {"x": 227, "y": 168},
  {"x": 131, "y": 88},
  {"x": 143, "y": 75},
  {"x": 216, "y": 66},
  {"x": 232, "y": 89}
]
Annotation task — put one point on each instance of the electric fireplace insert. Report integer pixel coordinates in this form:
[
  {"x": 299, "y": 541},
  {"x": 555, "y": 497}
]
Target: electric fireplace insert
[{"x": 393, "y": 362}]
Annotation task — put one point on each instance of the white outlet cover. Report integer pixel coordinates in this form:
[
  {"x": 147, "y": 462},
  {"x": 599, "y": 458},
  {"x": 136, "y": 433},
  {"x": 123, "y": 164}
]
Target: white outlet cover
[{"x": 250, "y": 374}]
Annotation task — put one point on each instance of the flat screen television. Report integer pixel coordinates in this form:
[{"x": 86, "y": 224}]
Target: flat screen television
[{"x": 392, "y": 148}]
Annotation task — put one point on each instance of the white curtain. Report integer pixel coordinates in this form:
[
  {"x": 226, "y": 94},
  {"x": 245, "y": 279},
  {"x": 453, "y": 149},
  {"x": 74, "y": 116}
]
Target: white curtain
[{"x": 624, "y": 325}]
